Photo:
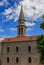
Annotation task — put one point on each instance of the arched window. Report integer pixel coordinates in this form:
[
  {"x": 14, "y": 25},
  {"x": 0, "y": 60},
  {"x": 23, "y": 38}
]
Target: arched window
[
  {"x": 21, "y": 31},
  {"x": 17, "y": 59},
  {"x": 29, "y": 59},
  {"x": 16, "y": 49},
  {"x": 7, "y": 59},
  {"x": 7, "y": 49},
  {"x": 29, "y": 48}
]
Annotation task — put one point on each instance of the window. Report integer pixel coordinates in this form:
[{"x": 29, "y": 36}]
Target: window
[
  {"x": 21, "y": 31},
  {"x": 21, "y": 22},
  {"x": 16, "y": 49},
  {"x": 29, "y": 59},
  {"x": 29, "y": 48},
  {"x": 17, "y": 59},
  {"x": 7, "y": 49},
  {"x": 7, "y": 59}
]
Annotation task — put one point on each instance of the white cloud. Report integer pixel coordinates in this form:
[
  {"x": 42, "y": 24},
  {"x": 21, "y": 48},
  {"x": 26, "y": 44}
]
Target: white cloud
[
  {"x": 8, "y": 11},
  {"x": 11, "y": 13},
  {"x": 29, "y": 11},
  {"x": 1, "y": 3},
  {"x": 13, "y": 29},
  {"x": 29, "y": 29},
  {"x": 8, "y": 14},
  {"x": 1, "y": 30},
  {"x": 9, "y": 17},
  {"x": 4, "y": 2},
  {"x": 29, "y": 23},
  {"x": 1, "y": 39},
  {"x": 33, "y": 9}
]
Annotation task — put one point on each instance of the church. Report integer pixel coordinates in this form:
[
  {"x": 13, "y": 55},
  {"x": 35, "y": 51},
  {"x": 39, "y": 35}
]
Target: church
[{"x": 20, "y": 50}]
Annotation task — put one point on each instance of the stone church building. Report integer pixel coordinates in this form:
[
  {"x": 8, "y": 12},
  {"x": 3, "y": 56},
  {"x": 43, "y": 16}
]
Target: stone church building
[{"x": 20, "y": 50}]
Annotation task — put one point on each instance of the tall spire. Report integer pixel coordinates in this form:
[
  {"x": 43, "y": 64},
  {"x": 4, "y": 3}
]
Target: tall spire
[
  {"x": 21, "y": 29},
  {"x": 21, "y": 17}
]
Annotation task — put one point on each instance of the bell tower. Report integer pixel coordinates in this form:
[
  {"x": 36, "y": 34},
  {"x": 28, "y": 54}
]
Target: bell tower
[{"x": 21, "y": 29}]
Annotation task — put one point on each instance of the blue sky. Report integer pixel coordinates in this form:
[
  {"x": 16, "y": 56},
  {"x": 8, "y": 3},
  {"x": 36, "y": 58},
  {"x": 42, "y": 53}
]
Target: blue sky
[{"x": 9, "y": 14}]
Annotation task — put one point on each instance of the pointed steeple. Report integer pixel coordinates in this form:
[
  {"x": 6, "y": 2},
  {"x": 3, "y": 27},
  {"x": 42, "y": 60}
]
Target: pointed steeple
[
  {"x": 21, "y": 17},
  {"x": 21, "y": 28}
]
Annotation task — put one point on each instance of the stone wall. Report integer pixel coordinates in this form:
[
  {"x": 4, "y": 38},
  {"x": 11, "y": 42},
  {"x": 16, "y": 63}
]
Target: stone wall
[{"x": 23, "y": 54}]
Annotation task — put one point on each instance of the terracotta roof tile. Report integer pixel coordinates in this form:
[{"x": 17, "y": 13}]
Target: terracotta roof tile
[{"x": 18, "y": 39}]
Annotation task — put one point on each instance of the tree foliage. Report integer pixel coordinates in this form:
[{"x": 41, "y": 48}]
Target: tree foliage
[
  {"x": 40, "y": 44},
  {"x": 42, "y": 25},
  {"x": 43, "y": 16},
  {"x": 40, "y": 47}
]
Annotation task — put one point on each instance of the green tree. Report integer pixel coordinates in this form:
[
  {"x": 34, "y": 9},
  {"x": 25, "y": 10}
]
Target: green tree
[
  {"x": 42, "y": 25},
  {"x": 40, "y": 44},
  {"x": 40, "y": 47}
]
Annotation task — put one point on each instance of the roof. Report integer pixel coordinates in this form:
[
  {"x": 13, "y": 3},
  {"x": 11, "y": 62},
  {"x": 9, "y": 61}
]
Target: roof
[
  {"x": 19, "y": 39},
  {"x": 21, "y": 17}
]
